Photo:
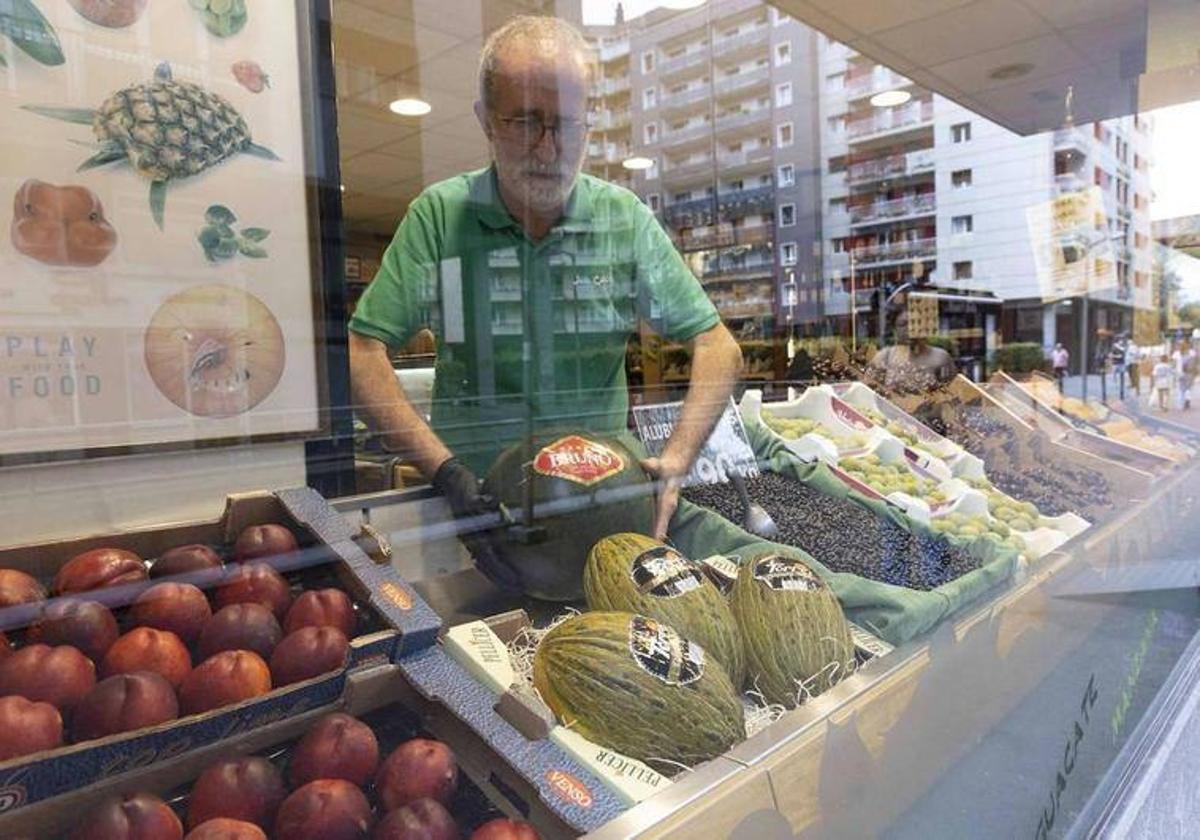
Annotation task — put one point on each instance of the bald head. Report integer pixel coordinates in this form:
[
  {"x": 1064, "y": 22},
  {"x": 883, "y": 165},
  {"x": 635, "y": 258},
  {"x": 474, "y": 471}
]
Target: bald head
[{"x": 529, "y": 42}]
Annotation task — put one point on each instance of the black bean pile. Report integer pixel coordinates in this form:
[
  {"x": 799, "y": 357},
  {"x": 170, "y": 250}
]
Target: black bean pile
[{"x": 841, "y": 534}]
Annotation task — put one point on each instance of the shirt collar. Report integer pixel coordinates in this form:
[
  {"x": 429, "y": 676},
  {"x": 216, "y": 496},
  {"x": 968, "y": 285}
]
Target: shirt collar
[{"x": 485, "y": 196}]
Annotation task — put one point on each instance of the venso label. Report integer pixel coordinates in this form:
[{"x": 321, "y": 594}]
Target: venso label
[
  {"x": 664, "y": 573},
  {"x": 785, "y": 574},
  {"x": 578, "y": 459},
  {"x": 660, "y": 651},
  {"x": 569, "y": 788}
]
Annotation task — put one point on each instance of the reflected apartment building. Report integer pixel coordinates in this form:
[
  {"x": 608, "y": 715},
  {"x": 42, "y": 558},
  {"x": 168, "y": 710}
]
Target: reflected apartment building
[{"x": 792, "y": 195}]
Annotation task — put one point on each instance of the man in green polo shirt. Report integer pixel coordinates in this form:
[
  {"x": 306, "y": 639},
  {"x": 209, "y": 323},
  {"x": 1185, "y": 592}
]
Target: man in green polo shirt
[{"x": 532, "y": 276}]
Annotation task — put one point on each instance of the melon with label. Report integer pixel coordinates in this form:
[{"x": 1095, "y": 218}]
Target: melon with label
[
  {"x": 797, "y": 640},
  {"x": 583, "y": 487},
  {"x": 634, "y": 685},
  {"x": 638, "y": 574}
]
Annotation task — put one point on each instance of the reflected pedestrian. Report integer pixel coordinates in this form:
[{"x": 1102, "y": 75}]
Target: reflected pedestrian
[
  {"x": 1164, "y": 376},
  {"x": 1060, "y": 360}
]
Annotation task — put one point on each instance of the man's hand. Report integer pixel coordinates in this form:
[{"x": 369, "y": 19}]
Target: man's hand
[
  {"x": 479, "y": 513},
  {"x": 668, "y": 474}
]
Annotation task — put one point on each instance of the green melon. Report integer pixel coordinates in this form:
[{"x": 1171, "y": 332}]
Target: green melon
[
  {"x": 583, "y": 488},
  {"x": 793, "y": 628},
  {"x": 638, "y": 574},
  {"x": 634, "y": 685}
]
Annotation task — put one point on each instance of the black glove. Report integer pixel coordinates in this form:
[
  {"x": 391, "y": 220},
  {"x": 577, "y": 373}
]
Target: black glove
[{"x": 462, "y": 491}]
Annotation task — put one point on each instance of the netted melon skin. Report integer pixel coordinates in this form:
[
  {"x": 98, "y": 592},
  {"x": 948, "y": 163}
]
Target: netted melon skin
[
  {"x": 585, "y": 672},
  {"x": 701, "y": 614},
  {"x": 792, "y": 638}
]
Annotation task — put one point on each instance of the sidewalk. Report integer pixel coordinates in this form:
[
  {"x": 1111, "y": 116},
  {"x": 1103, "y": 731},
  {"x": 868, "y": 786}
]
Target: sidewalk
[{"x": 1073, "y": 387}]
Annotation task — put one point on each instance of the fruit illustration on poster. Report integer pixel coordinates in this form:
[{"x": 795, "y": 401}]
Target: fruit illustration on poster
[
  {"x": 165, "y": 129},
  {"x": 113, "y": 14},
  {"x": 251, "y": 76},
  {"x": 214, "y": 351},
  {"x": 222, "y": 18},
  {"x": 220, "y": 241},
  {"x": 28, "y": 29},
  {"x": 61, "y": 226}
]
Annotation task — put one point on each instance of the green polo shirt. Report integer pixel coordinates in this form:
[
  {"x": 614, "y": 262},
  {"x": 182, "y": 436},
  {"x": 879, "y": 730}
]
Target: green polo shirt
[{"x": 530, "y": 335}]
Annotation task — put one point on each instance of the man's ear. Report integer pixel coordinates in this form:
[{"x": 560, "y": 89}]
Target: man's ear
[{"x": 481, "y": 115}]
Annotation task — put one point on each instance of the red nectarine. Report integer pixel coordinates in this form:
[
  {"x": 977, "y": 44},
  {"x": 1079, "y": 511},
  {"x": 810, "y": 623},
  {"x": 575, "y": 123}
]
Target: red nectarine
[
  {"x": 322, "y": 608},
  {"x": 86, "y": 625},
  {"x": 27, "y": 727},
  {"x": 327, "y": 809},
  {"x": 134, "y": 816},
  {"x": 247, "y": 788},
  {"x": 258, "y": 541},
  {"x": 308, "y": 652},
  {"x": 256, "y": 583},
  {"x": 228, "y": 677},
  {"x": 61, "y": 676},
  {"x": 98, "y": 568},
  {"x": 123, "y": 703},
  {"x": 147, "y": 649},
  {"x": 180, "y": 608},
  {"x": 337, "y": 747},
  {"x": 417, "y": 768}
]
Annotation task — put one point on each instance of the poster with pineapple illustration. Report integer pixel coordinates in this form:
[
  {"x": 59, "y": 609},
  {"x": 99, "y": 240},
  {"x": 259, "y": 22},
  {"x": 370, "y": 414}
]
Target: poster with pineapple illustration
[{"x": 156, "y": 262}]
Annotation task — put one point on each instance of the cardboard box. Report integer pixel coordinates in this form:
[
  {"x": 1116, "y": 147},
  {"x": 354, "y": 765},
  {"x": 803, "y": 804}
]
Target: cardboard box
[
  {"x": 379, "y": 695},
  {"x": 396, "y": 619}
]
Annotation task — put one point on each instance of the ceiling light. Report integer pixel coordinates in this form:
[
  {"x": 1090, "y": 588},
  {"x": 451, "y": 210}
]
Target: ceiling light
[
  {"x": 888, "y": 98},
  {"x": 410, "y": 107},
  {"x": 636, "y": 163},
  {"x": 343, "y": 186},
  {"x": 681, "y": 4}
]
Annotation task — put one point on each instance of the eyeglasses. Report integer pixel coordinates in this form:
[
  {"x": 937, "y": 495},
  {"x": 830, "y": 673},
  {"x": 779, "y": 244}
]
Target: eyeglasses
[{"x": 531, "y": 129}]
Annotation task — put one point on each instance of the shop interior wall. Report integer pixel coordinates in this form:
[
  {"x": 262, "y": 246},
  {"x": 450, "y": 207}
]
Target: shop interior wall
[{"x": 51, "y": 501}]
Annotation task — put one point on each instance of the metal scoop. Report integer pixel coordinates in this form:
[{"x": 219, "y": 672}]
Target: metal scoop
[{"x": 754, "y": 519}]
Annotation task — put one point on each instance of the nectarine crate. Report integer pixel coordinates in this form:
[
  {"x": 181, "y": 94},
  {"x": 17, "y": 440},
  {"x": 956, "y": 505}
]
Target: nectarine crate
[
  {"x": 378, "y": 697},
  {"x": 316, "y": 549}
]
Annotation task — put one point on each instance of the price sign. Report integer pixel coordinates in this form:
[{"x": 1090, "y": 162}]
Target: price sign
[{"x": 726, "y": 451}]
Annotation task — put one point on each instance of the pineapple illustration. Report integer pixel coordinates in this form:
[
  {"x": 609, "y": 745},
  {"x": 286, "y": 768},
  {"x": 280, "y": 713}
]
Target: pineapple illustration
[{"x": 165, "y": 129}]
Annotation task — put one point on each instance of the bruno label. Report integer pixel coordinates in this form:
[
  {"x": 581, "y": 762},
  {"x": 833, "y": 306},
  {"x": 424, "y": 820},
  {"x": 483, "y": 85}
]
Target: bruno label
[
  {"x": 662, "y": 652},
  {"x": 578, "y": 459},
  {"x": 664, "y": 573}
]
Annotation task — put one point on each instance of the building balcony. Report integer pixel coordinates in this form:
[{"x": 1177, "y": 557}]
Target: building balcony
[
  {"x": 910, "y": 116},
  {"x": 608, "y": 154},
  {"x": 738, "y": 271},
  {"x": 608, "y": 120},
  {"x": 868, "y": 84},
  {"x": 613, "y": 50},
  {"x": 689, "y": 133},
  {"x": 686, "y": 63},
  {"x": 752, "y": 308},
  {"x": 739, "y": 120},
  {"x": 697, "y": 212},
  {"x": 610, "y": 87},
  {"x": 746, "y": 157},
  {"x": 914, "y": 205},
  {"x": 746, "y": 202},
  {"x": 735, "y": 82},
  {"x": 890, "y": 166},
  {"x": 1072, "y": 138},
  {"x": 685, "y": 99},
  {"x": 1068, "y": 183},
  {"x": 688, "y": 170},
  {"x": 705, "y": 241},
  {"x": 911, "y": 249},
  {"x": 742, "y": 42}
]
